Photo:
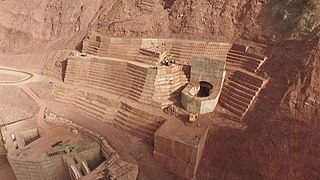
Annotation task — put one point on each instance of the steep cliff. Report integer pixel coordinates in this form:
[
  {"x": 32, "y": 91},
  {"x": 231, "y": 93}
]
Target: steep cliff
[
  {"x": 26, "y": 23},
  {"x": 281, "y": 141}
]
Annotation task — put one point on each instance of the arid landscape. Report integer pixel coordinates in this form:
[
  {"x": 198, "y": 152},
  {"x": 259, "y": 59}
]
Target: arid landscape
[{"x": 95, "y": 89}]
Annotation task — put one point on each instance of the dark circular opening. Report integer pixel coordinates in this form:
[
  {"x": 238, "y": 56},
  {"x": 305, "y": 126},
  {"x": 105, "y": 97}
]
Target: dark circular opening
[{"x": 205, "y": 89}]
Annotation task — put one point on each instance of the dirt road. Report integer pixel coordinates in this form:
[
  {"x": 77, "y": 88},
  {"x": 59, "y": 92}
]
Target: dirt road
[{"x": 25, "y": 76}]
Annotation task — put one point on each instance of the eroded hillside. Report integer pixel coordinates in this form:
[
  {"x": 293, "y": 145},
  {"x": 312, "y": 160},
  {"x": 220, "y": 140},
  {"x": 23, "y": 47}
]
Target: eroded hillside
[
  {"x": 281, "y": 141},
  {"x": 25, "y": 23}
]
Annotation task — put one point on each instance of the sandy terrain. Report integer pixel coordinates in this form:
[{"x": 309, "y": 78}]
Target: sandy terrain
[
  {"x": 11, "y": 76},
  {"x": 282, "y": 137},
  {"x": 8, "y": 77}
]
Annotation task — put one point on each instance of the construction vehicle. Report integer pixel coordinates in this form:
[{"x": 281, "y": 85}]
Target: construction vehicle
[
  {"x": 193, "y": 117},
  {"x": 59, "y": 147},
  {"x": 170, "y": 110}
]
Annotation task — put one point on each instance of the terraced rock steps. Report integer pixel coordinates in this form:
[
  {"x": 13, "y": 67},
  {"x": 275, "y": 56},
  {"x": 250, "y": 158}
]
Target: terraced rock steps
[
  {"x": 91, "y": 47},
  {"x": 111, "y": 77},
  {"x": 93, "y": 105},
  {"x": 64, "y": 95},
  {"x": 167, "y": 87},
  {"x": 96, "y": 108},
  {"x": 148, "y": 57},
  {"x": 111, "y": 47},
  {"x": 244, "y": 60},
  {"x": 137, "y": 121},
  {"x": 239, "y": 91},
  {"x": 183, "y": 52},
  {"x": 125, "y": 51},
  {"x": 137, "y": 78},
  {"x": 90, "y": 107},
  {"x": 124, "y": 79},
  {"x": 157, "y": 87}
]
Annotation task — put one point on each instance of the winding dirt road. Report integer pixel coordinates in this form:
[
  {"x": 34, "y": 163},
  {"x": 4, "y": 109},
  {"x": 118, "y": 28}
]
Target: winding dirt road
[{"x": 26, "y": 78}]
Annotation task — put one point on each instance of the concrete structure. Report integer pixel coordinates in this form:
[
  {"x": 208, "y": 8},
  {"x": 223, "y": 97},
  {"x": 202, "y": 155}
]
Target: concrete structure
[
  {"x": 123, "y": 81},
  {"x": 60, "y": 154},
  {"x": 29, "y": 136},
  {"x": 178, "y": 148},
  {"x": 120, "y": 171},
  {"x": 29, "y": 159},
  {"x": 242, "y": 84},
  {"x": 238, "y": 57},
  {"x": 143, "y": 85},
  {"x": 157, "y": 86},
  {"x": 240, "y": 90},
  {"x": 202, "y": 93},
  {"x": 137, "y": 121},
  {"x": 97, "y": 159},
  {"x": 128, "y": 49},
  {"x": 91, "y": 163}
]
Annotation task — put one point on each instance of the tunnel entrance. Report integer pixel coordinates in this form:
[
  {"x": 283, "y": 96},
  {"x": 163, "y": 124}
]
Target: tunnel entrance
[{"x": 205, "y": 89}]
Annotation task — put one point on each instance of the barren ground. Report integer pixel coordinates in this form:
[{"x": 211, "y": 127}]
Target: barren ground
[{"x": 282, "y": 138}]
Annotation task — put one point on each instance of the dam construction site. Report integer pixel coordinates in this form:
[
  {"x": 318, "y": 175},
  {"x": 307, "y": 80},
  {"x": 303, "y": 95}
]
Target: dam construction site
[{"x": 159, "y": 89}]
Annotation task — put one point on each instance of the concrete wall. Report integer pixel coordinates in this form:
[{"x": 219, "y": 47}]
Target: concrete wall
[
  {"x": 124, "y": 48},
  {"x": 199, "y": 105},
  {"x": 112, "y": 158},
  {"x": 181, "y": 50},
  {"x": 148, "y": 43},
  {"x": 30, "y": 135},
  {"x": 208, "y": 105},
  {"x": 107, "y": 151},
  {"x": 176, "y": 149},
  {"x": 179, "y": 155},
  {"x": 49, "y": 169},
  {"x": 93, "y": 104},
  {"x": 93, "y": 157},
  {"x": 208, "y": 70}
]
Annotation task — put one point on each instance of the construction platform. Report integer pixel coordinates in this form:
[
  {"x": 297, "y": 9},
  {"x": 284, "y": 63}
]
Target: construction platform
[{"x": 128, "y": 83}]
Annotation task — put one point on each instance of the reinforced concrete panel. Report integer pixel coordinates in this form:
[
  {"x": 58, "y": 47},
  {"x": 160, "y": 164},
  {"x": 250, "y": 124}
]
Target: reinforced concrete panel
[
  {"x": 47, "y": 169},
  {"x": 178, "y": 148}
]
